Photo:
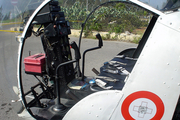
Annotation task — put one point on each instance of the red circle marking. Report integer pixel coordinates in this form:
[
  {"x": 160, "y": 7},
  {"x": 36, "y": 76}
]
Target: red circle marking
[{"x": 142, "y": 94}]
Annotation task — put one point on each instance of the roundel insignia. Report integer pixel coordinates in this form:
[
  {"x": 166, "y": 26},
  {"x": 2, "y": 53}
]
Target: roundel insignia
[{"x": 142, "y": 105}]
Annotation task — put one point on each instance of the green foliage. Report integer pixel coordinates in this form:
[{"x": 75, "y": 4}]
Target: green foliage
[
  {"x": 113, "y": 18},
  {"x": 120, "y": 6},
  {"x": 96, "y": 26},
  {"x": 1, "y": 15},
  {"x": 108, "y": 36}
]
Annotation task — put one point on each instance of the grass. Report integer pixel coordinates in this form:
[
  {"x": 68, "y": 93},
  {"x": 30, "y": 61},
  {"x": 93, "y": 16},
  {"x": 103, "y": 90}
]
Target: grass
[{"x": 139, "y": 31}]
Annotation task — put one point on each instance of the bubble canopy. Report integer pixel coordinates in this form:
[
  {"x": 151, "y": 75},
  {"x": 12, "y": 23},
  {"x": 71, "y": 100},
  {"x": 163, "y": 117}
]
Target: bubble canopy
[{"x": 19, "y": 10}]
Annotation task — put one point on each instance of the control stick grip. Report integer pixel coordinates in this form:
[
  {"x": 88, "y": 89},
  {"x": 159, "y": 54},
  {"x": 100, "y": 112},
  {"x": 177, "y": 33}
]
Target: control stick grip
[
  {"x": 76, "y": 49},
  {"x": 98, "y": 36}
]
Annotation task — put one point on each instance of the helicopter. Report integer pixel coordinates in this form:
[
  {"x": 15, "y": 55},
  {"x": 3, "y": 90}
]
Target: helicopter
[{"x": 139, "y": 83}]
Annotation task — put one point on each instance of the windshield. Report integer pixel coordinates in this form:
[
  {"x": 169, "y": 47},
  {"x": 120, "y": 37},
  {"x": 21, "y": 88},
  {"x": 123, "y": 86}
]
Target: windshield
[
  {"x": 15, "y": 13},
  {"x": 163, "y": 5},
  {"x": 13, "y": 16}
]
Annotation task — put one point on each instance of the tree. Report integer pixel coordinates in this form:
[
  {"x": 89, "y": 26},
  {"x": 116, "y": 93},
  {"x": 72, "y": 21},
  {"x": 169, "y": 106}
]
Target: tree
[
  {"x": 7, "y": 16},
  {"x": 1, "y": 14},
  {"x": 111, "y": 18}
]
